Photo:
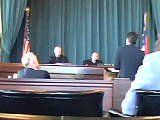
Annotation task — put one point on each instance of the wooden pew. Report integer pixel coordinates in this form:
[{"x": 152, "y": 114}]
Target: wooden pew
[
  {"x": 8, "y": 69},
  {"x": 114, "y": 91},
  {"x": 60, "y": 85},
  {"x": 120, "y": 87}
]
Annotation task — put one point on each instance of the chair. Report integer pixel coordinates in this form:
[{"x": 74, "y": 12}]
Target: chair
[
  {"x": 81, "y": 103},
  {"x": 148, "y": 102}
]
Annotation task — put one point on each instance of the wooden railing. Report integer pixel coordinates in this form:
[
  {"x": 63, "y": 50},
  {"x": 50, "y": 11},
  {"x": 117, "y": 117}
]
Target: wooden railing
[{"x": 62, "y": 71}]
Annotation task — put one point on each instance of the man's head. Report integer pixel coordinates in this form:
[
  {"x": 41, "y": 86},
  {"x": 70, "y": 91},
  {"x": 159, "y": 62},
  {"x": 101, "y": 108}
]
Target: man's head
[
  {"x": 131, "y": 38},
  {"x": 29, "y": 60},
  {"x": 95, "y": 56},
  {"x": 57, "y": 51}
]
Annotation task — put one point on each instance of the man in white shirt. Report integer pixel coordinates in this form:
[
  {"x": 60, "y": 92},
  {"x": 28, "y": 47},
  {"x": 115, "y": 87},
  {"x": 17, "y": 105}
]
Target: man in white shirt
[{"x": 147, "y": 77}]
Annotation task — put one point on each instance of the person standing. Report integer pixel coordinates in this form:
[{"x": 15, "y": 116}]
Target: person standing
[{"x": 129, "y": 57}]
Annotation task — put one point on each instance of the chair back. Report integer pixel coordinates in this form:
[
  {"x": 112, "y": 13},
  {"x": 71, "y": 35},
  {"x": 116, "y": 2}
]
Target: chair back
[
  {"x": 81, "y": 103},
  {"x": 148, "y": 102}
]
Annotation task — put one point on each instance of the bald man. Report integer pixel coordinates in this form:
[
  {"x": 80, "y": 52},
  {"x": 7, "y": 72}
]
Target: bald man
[
  {"x": 58, "y": 56},
  {"x": 95, "y": 60}
]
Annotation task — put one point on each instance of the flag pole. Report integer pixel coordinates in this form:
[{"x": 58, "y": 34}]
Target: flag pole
[{"x": 26, "y": 41}]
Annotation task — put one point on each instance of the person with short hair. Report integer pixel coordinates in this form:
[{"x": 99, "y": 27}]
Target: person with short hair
[
  {"x": 31, "y": 70},
  {"x": 129, "y": 57},
  {"x": 146, "y": 78},
  {"x": 95, "y": 60},
  {"x": 58, "y": 57}
]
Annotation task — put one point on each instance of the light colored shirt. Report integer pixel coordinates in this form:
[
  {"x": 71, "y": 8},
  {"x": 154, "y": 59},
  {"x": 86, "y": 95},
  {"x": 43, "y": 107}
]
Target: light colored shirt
[{"x": 147, "y": 78}]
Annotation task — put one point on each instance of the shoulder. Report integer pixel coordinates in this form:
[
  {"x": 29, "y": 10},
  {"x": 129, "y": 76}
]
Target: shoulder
[
  {"x": 155, "y": 56},
  {"x": 24, "y": 72},
  {"x": 87, "y": 61},
  {"x": 44, "y": 73},
  {"x": 121, "y": 49},
  {"x": 64, "y": 56},
  {"x": 99, "y": 61},
  {"x": 52, "y": 57}
]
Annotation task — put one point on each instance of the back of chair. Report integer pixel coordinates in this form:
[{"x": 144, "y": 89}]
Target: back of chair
[
  {"x": 86, "y": 103},
  {"x": 148, "y": 103}
]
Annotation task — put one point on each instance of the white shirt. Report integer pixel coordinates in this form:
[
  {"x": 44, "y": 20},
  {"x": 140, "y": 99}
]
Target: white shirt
[{"x": 147, "y": 77}]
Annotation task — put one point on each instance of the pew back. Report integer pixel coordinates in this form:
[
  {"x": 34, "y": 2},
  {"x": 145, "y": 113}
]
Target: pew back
[
  {"x": 60, "y": 85},
  {"x": 81, "y": 103}
]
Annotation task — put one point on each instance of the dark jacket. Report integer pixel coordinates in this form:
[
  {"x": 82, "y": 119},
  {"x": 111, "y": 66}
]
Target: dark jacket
[
  {"x": 31, "y": 73},
  {"x": 89, "y": 62},
  {"x": 128, "y": 59},
  {"x": 61, "y": 59}
]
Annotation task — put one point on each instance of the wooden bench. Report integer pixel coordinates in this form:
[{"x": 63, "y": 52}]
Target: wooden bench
[
  {"x": 60, "y": 85},
  {"x": 8, "y": 69},
  {"x": 61, "y": 71},
  {"x": 114, "y": 91}
]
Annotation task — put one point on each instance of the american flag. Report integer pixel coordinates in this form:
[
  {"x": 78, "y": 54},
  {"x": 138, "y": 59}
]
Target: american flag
[
  {"x": 146, "y": 38},
  {"x": 26, "y": 42}
]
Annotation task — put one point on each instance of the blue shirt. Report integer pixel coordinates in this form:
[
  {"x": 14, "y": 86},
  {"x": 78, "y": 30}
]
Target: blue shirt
[{"x": 147, "y": 77}]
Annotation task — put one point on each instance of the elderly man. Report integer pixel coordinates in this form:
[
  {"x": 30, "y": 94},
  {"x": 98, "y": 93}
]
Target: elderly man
[
  {"x": 147, "y": 78},
  {"x": 31, "y": 70},
  {"x": 58, "y": 56},
  {"x": 95, "y": 60}
]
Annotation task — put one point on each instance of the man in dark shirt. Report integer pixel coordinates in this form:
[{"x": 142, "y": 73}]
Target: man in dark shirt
[
  {"x": 95, "y": 60},
  {"x": 129, "y": 57},
  {"x": 31, "y": 70},
  {"x": 58, "y": 56}
]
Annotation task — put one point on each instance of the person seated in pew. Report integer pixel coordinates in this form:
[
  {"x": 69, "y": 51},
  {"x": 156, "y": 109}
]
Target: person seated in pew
[
  {"x": 58, "y": 56},
  {"x": 31, "y": 70},
  {"x": 95, "y": 60},
  {"x": 146, "y": 78}
]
